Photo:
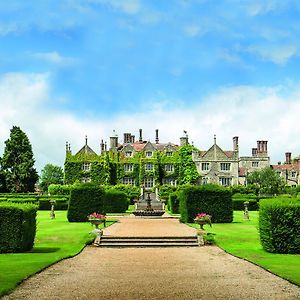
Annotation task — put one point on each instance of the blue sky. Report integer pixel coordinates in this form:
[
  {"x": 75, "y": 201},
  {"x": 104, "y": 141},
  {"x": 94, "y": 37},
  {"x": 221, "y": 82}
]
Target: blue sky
[{"x": 75, "y": 67}]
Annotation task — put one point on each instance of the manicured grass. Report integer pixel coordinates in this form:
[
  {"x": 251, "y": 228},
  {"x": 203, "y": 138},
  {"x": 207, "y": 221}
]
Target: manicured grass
[
  {"x": 128, "y": 212},
  {"x": 55, "y": 239},
  {"x": 241, "y": 238}
]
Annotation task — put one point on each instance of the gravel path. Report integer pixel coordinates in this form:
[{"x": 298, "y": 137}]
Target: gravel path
[{"x": 154, "y": 273}]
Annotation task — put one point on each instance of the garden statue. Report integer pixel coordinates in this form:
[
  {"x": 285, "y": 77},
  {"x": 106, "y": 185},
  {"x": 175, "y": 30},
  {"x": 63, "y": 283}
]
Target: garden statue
[
  {"x": 52, "y": 213},
  {"x": 246, "y": 212}
]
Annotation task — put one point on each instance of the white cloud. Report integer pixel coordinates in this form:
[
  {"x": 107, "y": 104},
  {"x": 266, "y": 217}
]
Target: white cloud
[
  {"x": 53, "y": 57},
  {"x": 256, "y": 8},
  {"x": 252, "y": 113},
  {"x": 278, "y": 54},
  {"x": 6, "y": 29},
  {"x": 192, "y": 30},
  {"x": 127, "y": 6}
]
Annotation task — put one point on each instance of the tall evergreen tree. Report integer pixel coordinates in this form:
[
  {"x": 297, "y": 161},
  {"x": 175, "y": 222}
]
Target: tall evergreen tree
[
  {"x": 2, "y": 179},
  {"x": 18, "y": 162}
]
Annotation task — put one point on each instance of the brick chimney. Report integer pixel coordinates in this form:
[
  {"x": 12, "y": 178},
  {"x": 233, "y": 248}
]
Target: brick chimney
[
  {"x": 254, "y": 152},
  {"x": 288, "y": 158},
  {"x": 236, "y": 143},
  {"x": 156, "y": 136}
]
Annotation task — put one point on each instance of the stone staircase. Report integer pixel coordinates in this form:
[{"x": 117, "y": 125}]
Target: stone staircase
[{"x": 158, "y": 241}]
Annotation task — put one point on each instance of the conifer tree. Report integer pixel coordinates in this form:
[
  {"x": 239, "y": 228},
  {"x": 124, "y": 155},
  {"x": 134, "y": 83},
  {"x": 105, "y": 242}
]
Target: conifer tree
[{"x": 18, "y": 162}]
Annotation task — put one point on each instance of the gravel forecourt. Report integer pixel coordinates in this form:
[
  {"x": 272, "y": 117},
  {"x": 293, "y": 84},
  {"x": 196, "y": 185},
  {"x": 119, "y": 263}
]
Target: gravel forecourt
[{"x": 154, "y": 273}]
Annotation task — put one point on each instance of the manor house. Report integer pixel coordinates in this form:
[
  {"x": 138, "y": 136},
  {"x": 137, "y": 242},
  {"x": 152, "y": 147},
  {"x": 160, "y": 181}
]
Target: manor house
[{"x": 139, "y": 162}]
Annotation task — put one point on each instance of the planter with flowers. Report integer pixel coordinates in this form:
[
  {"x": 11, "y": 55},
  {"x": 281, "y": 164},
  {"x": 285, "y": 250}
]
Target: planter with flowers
[
  {"x": 96, "y": 219},
  {"x": 202, "y": 219}
]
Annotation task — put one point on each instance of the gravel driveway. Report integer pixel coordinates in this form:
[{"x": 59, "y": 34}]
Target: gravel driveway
[{"x": 154, "y": 273}]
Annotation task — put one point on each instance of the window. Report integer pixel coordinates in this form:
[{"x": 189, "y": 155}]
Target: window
[
  {"x": 86, "y": 179},
  {"x": 86, "y": 167},
  {"x": 205, "y": 180},
  {"x": 128, "y": 153},
  {"x": 205, "y": 166},
  {"x": 169, "y": 180},
  {"x": 225, "y": 166},
  {"x": 149, "y": 153},
  {"x": 255, "y": 164},
  {"x": 128, "y": 180},
  {"x": 169, "y": 153},
  {"x": 169, "y": 168},
  {"x": 148, "y": 167},
  {"x": 225, "y": 181},
  {"x": 149, "y": 182},
  {"x": 128, "y": 167},
  {"x": 294, "y": 174}
]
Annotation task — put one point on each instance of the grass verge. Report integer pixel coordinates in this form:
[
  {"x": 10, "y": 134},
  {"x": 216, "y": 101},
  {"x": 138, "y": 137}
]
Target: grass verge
[
  {"x": 241, "y": 239},
  {"x": 55, "y": 240}
]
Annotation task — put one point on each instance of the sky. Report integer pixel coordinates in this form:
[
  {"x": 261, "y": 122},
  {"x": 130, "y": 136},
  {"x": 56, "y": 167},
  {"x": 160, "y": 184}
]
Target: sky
[{"x": 70, "y": 68}]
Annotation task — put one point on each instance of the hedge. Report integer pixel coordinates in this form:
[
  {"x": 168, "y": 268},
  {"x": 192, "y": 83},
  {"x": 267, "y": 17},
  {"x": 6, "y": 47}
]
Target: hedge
[
  {"x": 88, "y": 198},
  {"x": 279, "y": 225},
  {"x": 17, "y": 227},
  {"x": 173, "y": 203},
  {"x": 84, "y": 200},
  {"x": 212, "y": 199},
  {"x": 60, "y": 203},
  {"x": 115, "y": 201},
  {"x": 165, "y": 190},
  {"x": 238, "y": 204},
  {"x": 59, "y": 189}
]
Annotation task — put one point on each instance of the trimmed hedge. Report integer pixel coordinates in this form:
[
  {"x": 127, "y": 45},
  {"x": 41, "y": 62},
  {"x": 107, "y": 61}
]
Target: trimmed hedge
[
  {"x": 88, "y": 198},
  {"x": 279, "y": 225},
  {"x": 165, "y": 190},
  {"x": 115, "y": 201},
  {"x": 173, "y": 203},
  {"x": 59, "y": 189},
  {"x": 212, "y": 199},
  {"x": 60, "y": 203},
  {"x": 238, "y": 204},
  {"x": 17, "y": 227},
  {"x": 84, "y": 200}
]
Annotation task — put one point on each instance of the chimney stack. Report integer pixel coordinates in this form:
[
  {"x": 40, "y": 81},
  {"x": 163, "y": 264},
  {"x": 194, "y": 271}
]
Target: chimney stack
[
  {"x": 156, "y": 136},
  {"x": 113, "y": 140},
  {"x": 141, "y": 136},
  {"x": 288, "y": 158},
  {"x": 254, "y": 152},
  {"x": 236, "y": 143},
  {"x": 184, "y": 140},
  {"x": 102, "y": 146}
]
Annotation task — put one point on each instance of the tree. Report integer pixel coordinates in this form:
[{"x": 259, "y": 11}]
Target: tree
[
  {"x": 267, "y": 181},
  {"x": 18, "y": 163},
  {"x": 51, "y": 174},
  {"x": 2, "y": 180}
]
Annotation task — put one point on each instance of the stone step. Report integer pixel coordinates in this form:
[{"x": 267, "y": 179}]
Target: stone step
[
  {"x": 167, "y": 241},
  {"x": 143, "y": 244}
]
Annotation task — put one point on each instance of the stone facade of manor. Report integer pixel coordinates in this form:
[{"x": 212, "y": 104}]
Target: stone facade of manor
[{"x": 139, "y": 162}]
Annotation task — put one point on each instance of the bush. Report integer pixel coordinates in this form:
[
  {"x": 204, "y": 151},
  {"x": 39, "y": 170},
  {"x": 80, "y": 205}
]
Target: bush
[
  {"x": 59, "y": 189},
  {"x": 238, "y": 204},
  {"x": 60, "y": 203},
  {"x": 212, "y": 199},
  {"x": 115, "y": 201},
  {"x": 85, "y": 199},
  {"x": 132, "y": 192},
  {"x": 279, "y": 225},
  {"x": 173, "y": 203},
  {"x": 17, "y": 227},
  {"x": 165, "y": 190}
]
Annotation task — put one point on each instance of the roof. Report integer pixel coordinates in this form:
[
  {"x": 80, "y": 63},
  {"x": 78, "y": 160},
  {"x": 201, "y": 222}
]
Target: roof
[
  {"x": 139, "y": 146},
  {"x": 86, "y": 150},
  {"x": 242, "y": 172},
  {"x": 284, "y": 167}
]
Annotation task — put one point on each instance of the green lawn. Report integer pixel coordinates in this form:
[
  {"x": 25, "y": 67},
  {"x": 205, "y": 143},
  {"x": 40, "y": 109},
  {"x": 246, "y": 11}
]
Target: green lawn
[
  {"x": 241, "y": 239},
  {"x": 55, "y": 239}
]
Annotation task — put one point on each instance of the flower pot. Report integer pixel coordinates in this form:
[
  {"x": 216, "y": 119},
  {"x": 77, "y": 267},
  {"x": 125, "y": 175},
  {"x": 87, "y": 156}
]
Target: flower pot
[{"x": 96, "y": 222}]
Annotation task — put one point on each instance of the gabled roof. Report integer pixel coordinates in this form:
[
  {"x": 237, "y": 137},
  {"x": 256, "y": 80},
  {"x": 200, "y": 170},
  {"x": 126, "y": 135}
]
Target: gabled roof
[
  {"x": 86, "y": 151},
  {"x": 285, "y": 167}
]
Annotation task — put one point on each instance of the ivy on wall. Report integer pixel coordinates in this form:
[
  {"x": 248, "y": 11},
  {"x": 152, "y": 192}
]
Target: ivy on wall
[{"x": 108, "y": 168}]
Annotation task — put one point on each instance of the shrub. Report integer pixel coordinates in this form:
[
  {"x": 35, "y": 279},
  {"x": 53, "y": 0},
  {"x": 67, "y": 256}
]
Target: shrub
[
  {"x": 60, "y": 203},
  {"x": 17, "y": 227},
  {"x": 211, "y": 199},
  {"x": 279, "y": 225},
  {"x": 173, "y": 203},
  {"x": 115, "y": 201},
  {"x": 238, "y": 204},
  {"x": 59, "y": 189},
  {"x": 165, "y": 190},
  {"x": 85, "y": 199},
  {"x": 132, "y": 192}
]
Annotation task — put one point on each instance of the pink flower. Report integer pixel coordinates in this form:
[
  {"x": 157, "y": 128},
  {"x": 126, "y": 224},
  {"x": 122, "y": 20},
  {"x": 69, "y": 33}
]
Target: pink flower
[{"x": 96, "y": 216}]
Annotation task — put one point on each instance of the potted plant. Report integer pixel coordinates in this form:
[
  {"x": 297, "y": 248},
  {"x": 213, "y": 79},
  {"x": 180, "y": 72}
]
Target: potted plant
[
  {"x": 96, "y": 219},
  {"x": 202, "y": 219}
]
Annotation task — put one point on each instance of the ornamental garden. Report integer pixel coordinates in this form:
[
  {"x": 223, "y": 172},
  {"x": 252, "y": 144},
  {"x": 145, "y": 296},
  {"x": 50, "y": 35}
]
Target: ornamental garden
[{"x": 248, "y": 221}]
